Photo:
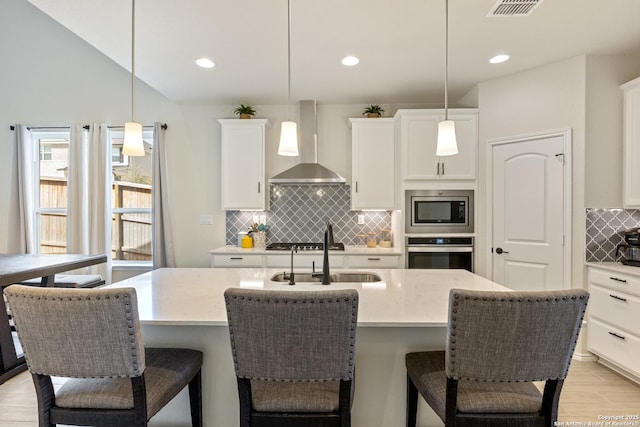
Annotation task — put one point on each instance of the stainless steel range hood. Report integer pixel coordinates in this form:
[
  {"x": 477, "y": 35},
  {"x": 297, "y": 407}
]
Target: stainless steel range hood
[{"x": 308, "y": 171}]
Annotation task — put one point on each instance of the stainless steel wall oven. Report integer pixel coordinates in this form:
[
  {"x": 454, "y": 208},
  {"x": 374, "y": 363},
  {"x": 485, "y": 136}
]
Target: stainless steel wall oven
[{"x": 440, "y": 252}]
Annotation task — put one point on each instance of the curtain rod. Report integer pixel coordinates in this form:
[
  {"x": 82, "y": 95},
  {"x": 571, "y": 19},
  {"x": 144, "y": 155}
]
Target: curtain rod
[{"x": 164, "y": 127}]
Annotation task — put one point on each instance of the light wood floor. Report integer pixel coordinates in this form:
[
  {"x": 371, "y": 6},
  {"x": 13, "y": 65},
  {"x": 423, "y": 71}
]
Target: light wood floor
[{"x": 590, "y": 391}]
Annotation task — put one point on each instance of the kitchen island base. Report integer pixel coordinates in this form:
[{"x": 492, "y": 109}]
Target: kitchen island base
[
  {"x": 380, "y": 374},
  {"x": 406, "y": 311}
]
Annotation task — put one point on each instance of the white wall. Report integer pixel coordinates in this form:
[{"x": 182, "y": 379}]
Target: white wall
[
  {"x": 580, "y": 93},
  {"x": 603, "y": 157},
  {"x": 547, "y": 98},
  {"x": 49, "y": 77}
]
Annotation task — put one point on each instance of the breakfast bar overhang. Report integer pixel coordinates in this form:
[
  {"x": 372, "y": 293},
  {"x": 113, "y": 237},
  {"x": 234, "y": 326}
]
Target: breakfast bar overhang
[{"x": 406, "y": 311}]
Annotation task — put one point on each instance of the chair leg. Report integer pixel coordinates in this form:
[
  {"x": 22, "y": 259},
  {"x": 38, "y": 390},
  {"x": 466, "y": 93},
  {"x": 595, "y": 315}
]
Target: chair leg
[
  {"x": 46, "y": 399},
  {"x": 195, "y": 399},
  {"x": 412, "y": 403}
]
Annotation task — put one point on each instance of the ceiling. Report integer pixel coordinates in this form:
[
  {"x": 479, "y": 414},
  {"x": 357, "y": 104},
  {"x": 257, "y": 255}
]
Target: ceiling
[{"x": 400, "y": 44}]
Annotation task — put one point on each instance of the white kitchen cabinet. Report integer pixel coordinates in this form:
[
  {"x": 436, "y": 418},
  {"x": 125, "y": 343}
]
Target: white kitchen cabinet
[
  {"x": 418, "y": 135},
  {"x": 372, "y": 164},
  {"x": 303, "y": 262},
  {"x": 242, "y": 165},
  {"x": 631, "y": 180},
  {"x": 374, "y": 261},
  {"x": 614, "y": 318},
  {"x": 236, "y": 260}
]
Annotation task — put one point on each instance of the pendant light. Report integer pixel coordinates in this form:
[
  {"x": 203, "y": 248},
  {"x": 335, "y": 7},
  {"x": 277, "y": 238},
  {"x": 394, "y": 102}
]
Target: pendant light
[
  {"x": 289, "y": 129},
  {"x": 133, "y": 145},
  {"x": 447, "y": 144}
]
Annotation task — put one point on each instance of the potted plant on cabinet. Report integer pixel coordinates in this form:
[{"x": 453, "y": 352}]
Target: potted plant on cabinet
[
  {"x": 245, "y": 111},
  {"x": 373, "y": 110}
]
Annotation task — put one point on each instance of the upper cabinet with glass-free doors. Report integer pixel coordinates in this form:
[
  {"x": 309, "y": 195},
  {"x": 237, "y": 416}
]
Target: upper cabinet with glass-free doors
[
  {"x": 418, "y": 134},
  {"x": 242, "y": 165},
  {"x": 372, "y": 164}
]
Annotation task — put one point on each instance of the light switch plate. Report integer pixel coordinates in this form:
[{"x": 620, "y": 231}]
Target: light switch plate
[
  {"x": 361, "y": 219},
  {"x": 206, "y": 219}
]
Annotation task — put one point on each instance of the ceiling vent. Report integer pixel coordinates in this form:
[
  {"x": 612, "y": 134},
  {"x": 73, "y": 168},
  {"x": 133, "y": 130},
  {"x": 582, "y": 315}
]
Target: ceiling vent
[{"x": 506, "y": 8}]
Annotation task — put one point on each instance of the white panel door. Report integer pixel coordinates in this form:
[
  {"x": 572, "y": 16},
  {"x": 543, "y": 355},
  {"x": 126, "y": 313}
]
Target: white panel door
[{"x": 528, "y": 213}]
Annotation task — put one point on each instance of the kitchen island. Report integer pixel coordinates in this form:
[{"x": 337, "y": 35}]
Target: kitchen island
[{"x": 406, "y": 311}]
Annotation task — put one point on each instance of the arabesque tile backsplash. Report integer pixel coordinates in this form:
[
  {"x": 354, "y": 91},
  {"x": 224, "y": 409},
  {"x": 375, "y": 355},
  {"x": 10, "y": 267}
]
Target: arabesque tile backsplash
[
  {"x": 605, "y": 230},
  {"x": 299, "y": 213}
]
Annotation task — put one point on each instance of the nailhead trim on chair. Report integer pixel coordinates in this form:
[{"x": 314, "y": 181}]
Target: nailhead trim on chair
[
  {"x": 128, "y": 312},
  {"x": 452, "y": 348},
  {"x": 354, "y": 303}
]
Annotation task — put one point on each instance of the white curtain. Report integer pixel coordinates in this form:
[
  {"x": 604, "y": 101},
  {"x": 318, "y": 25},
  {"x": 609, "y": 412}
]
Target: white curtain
[
  {"x": 21, "y": 236},
  {"x": 89, "y": 195},
  {"x": 163, "y": 255}
]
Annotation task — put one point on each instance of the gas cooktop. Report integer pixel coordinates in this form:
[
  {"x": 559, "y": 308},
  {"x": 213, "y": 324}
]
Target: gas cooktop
[{"x": 303, "y": 246}]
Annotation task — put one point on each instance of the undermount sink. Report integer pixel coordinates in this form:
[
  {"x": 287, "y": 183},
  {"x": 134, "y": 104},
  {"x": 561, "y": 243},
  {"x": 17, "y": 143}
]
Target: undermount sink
[{"x": 347, "y": 277}]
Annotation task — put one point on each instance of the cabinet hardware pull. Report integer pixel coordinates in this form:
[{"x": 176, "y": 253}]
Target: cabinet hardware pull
[
  {"x": 618, "y": 280},
  {"x": 356, "y": 186},
  {"x": 616, "y": 335},
  {"x": 438, "y": 173},
  {"x": 258, "y": 187},
  {"x": 236, "y": 258},
  {"x": 373, "y": 259},
  {"x": 443, "y": 168},
  {"x": 618, "y": 298}
]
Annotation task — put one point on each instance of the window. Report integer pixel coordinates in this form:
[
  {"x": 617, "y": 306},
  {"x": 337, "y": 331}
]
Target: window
[
  {"x": 131, "y": 232},
  {"x": 45, "y": 152},
  {"x": 131, "y": 201},
  {"x": 117, "y": 158},
  {"x": 51, "y": 190}
]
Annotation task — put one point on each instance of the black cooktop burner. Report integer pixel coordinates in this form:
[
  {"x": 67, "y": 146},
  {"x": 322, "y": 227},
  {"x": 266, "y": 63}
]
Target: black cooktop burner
[{"x": 303, "y": 246}]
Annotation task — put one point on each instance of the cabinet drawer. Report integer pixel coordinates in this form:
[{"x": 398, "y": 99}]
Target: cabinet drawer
[
  {"x": 374, "y": 261},
  {"x": 238, "y": 260},
  {"x": 302, "y": 261},
  {"x": 616, "y": 308},
  {"x": 614, "y": 280},
  {"x": 615, "y": 345}
]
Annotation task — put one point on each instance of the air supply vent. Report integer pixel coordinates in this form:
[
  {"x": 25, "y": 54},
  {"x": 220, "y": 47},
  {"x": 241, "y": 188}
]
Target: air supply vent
[{"x": 506, "y": 8}]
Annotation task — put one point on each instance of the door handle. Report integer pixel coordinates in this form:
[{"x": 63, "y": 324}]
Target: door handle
[{"x": 499, "y": 251}]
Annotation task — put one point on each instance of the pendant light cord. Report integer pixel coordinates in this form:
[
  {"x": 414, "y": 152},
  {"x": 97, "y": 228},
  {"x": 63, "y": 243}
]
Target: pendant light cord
[
  {"x": 446, "y": 59},
  {"x": 288, "y": 60},
  {"x": 133, "y": 62}
]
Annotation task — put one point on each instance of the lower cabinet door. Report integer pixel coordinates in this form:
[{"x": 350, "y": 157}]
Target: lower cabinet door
[
  {"x": 238, "y": 260},
  {"x": 615, "y": 345},
  {"x": 374, "y": 261}
]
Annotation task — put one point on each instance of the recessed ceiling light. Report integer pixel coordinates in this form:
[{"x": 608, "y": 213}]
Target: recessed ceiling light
[
  {"x": 205, "y": 63},
  {"x": 499, "y": 58},
  {"x": 350, "y": 61}
]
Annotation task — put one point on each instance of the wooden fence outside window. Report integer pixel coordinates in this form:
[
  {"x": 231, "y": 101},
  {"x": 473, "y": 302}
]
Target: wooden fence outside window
[{"x": 131, "y": 232}]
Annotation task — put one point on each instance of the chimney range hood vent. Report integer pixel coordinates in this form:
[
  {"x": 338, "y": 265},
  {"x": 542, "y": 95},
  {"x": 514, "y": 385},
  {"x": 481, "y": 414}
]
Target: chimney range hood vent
[{"x": 308, "y": 171}]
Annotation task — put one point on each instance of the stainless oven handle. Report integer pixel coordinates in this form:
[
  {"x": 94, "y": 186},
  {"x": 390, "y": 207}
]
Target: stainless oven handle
[{"x": 440, "y": 249}]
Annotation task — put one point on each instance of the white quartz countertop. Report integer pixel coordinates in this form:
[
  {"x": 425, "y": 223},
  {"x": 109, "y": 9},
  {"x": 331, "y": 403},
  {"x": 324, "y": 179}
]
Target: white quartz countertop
[
  {"x": 617, "y": 267},
  {"x": 348, "y": 250},
  {"x": 194, "y": 296}
]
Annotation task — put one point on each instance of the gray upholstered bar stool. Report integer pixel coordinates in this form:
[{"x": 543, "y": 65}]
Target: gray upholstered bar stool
[
  {"x": 498, "y": 344},
  {"x": 93, "y": 337},
  {"x": 294, "y": 355}
]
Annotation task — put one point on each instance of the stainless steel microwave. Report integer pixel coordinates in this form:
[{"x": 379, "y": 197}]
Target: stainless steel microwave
[{"x": 439, "y": 211}]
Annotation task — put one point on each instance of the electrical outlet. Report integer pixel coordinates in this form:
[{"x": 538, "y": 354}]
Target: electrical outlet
[
  {"x": 360, "y": 219},
  {"x": 263, "y": 219},
  {"x": 256, "y": 219},
  {"x": 206, "y": 219}
]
